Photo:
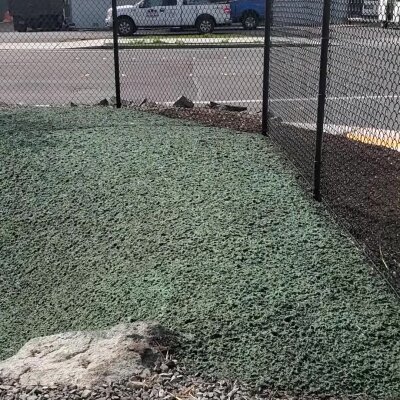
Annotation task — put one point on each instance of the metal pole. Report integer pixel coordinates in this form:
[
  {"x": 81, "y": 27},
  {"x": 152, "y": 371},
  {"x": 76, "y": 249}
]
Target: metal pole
[
  {"x": 323, "y": 71},
  {"x": 116, "y": 54},
  {"x": 267, "y": 53}
]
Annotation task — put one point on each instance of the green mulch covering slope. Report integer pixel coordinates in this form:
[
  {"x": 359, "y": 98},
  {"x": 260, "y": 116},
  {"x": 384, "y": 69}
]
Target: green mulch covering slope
[{"x": 111, "y": 215}]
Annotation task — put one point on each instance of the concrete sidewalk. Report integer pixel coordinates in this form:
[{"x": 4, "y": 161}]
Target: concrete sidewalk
[
  {"x": 163, "y": 41},
  {"x": 74, "y": 44}
]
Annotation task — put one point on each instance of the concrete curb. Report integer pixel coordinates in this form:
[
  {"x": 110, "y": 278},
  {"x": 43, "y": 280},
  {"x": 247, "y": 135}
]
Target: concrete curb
[{"x": 199, "y": 46}]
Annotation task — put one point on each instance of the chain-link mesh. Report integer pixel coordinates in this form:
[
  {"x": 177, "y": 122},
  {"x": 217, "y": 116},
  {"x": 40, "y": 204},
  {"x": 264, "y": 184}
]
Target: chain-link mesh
[
  {"x": 294, "y": 76},
  {"x": 203, "y": 57},
  {"x": 55, "y": 52},
  {"x": 361, "y": 172},
  {"x": 60, "y": 51},
  {"x": 361, "y": 159}
]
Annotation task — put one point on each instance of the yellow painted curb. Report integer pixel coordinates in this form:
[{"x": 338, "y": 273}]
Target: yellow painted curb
[{"x": 377, "y": 138}]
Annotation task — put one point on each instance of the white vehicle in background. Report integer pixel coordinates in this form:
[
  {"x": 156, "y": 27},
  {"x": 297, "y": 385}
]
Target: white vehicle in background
[
  {"x": 201, "y": 14},
  {"x": 389, "y": 12},
  {"x": 370, "y": 9}
]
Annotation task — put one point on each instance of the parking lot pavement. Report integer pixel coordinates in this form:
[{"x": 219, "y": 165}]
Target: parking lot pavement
[
  {"x": 356, "y": 97},
  {"x": 353, "y": 33}
]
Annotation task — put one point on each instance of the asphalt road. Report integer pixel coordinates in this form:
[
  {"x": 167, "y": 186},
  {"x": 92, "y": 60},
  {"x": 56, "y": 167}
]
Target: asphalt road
[{"x": 363, "y": 82}]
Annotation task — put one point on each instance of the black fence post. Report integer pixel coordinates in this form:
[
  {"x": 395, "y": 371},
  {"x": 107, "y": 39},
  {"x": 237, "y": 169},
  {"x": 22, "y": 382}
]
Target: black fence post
[
  {"x": 267, "y": 53},
  {"x": 323, "y": 71},
  {"x": 116, "y": 54}
]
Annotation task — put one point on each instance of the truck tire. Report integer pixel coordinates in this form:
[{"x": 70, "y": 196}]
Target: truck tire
[
  {"x": 21, "y": 28},
  {"x": 18, "y": 26},
  {"x": 250, "y": 20},
  {"x": 126, "y": 26},
  {"x": 205, "y": 24}
]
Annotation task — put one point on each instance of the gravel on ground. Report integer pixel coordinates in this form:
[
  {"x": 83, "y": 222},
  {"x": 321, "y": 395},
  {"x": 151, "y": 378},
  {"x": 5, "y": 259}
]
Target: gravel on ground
[{"x": 168, "y": 380}]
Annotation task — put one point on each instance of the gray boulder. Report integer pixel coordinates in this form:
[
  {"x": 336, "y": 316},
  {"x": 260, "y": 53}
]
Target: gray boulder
[{"x": 85, "y": 359}]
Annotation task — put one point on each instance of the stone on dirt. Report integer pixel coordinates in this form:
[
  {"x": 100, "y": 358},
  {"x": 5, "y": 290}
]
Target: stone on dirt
[
  {"x": 85, "y": 359},
  {"x": 184, "y": 102},
  {"x": 103, "y": 103},
  {"x": 226, "y": 107},
  {"x": 229, "y": 107}
]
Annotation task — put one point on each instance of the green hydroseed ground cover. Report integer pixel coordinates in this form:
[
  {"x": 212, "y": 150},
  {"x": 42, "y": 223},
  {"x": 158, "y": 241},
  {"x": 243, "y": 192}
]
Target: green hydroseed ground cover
[{"x": 109, "y": 216}]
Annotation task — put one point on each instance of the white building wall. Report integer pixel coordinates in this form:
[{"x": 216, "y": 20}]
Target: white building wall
[{"x": 90, "y": 14}]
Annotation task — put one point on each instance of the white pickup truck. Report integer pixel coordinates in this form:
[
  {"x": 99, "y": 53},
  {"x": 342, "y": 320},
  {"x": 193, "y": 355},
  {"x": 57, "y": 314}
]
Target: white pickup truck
[{"x": 201, "y": 14}]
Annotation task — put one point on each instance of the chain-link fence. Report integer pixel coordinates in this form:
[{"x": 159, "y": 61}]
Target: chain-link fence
[
  {"x": 360, "y": 169},
  {"x": 361, "y": 151},
  {"x": 61, "y": 51}
]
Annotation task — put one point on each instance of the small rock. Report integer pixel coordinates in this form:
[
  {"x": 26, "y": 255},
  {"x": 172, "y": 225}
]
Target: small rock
[
  {"x": 184, "y": 102},
  {"x": 85, "y": 394},
  {"x": 145, "y": 373},
  {"x": 125, "y": 103},
  {"x": 171, "y": 364},
  {"x": 164, "y": 368},
  {"x": 144, "y": 101},
  {"x": 136, "y": 385},
  {"x": 213, "y": 104},
  {"x": 103, "y": 103},
  {"x": 229, "y": 107},
  {"x": 153, "y": 392}
]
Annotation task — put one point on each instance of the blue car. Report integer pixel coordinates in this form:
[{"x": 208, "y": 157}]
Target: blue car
[{"x": 248, "y": 12}]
